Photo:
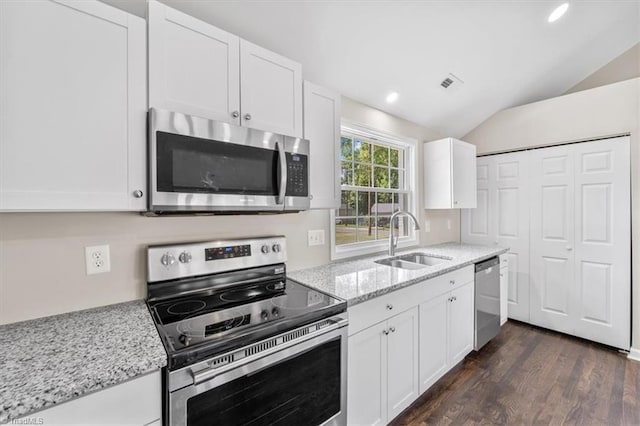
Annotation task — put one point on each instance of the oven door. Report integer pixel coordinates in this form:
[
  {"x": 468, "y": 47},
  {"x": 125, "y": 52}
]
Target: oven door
[
  {"x": 196, "y": 164},
  {"x": 304, "y": 384}
]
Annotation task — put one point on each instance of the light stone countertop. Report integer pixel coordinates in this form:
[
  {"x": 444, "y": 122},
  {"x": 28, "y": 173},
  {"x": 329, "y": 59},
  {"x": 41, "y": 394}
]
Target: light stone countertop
[
  {"x": 51, "y": 360},
  {"x": 359, "y": 280}
]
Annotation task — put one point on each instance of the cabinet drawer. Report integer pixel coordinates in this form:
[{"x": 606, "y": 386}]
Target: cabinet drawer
[{"x": 381, "y": 308}]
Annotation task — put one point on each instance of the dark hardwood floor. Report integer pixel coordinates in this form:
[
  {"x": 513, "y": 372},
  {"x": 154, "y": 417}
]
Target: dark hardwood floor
[{"x": 528, "y": 375}]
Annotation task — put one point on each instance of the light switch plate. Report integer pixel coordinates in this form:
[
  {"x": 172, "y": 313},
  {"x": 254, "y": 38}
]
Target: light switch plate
[
  {"x": 315, "y": 237},
  {"x": 97, "y": 259}
]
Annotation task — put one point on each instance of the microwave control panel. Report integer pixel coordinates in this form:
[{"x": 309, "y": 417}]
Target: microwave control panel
[{"x": 297, "y": 175}]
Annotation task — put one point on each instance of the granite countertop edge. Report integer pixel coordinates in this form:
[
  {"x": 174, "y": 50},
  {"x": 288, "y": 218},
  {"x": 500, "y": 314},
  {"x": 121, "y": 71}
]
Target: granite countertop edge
[
  {"x": 52, "y": 360},
  {"x": 314, "y": 277}
]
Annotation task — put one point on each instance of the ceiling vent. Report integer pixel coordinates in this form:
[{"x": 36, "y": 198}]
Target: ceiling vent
[{"x": 451, "y": 83}]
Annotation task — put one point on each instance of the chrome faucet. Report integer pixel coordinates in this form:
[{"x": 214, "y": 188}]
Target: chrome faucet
[{"x": 393, "y": 240}]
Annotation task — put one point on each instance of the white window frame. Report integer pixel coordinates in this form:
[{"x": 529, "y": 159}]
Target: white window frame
[{"x": 411, "y": 166}]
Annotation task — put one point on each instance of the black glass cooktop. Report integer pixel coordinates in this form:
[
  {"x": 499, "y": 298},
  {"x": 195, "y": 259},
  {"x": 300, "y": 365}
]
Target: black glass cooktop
[{"x": 213, "y": 320}]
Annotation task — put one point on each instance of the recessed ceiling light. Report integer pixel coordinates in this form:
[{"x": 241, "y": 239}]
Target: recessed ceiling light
[
  {"x": 558, "y": 12},
  {"x": 392, "y": 97}
]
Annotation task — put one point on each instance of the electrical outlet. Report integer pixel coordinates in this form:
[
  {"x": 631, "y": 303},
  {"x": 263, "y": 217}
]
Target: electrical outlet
[
  {"x": 315, "y": 237},
  {"x": 97, "y": 259}
]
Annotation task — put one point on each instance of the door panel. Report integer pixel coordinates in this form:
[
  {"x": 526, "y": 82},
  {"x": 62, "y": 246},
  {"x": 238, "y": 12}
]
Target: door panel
[
  {"x": 556, "y": 274},
  {"x": 511, "y": 213},
  {"x": 367, "y": 377},
  {"x": 402, "y": 370},
  {"x": 603, "y": 242}
]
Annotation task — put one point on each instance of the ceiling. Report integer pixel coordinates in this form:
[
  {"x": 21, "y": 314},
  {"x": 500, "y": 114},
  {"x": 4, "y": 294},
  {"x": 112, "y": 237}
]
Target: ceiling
[{"x": 506, "y": 52}]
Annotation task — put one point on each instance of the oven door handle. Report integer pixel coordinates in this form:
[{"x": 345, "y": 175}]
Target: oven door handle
[
  {"x": 282, "y": 168},
  {"x": 213, "y": 372}
]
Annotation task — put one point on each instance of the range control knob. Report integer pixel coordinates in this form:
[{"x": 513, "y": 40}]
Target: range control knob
[
  {"x": 265, "y": 249},
  {"x": 275, "y": 312},
  {"x": 185, "y": 257},
  {"x": 276, "y": 248},
  {"x": 167, "y": 259},
  {"x": 184, "y": 339},
  {"x": 264, "y": 315}
]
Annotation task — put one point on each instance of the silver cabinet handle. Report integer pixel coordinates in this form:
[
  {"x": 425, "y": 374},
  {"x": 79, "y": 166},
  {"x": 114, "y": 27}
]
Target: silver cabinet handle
[
  {"x": 389, "y": 306},
  {"x": 569, "y": 248},
  {"x": 385, "y": 332},
  {"x": 455, "y": 202},
  {"x": 138, "y": 193},
  {"x": 501, "y": 275},
  {"x": 235, "y": 114},
  {"x": 393, "y": 329},
  {"x": 454, "y": 298},
  {"x": 452, "y": 282},
  {"x": 247, "y": 117}
]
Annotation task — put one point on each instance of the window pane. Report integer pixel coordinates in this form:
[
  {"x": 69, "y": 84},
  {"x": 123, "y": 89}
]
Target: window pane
[
  {"x": 381, "y": 155},
  {"x": 381, "y": 177},
  {"x": 382, "y": 226},
  {"x": 346, "y": 148},
  {"x": 345, "y": 231},
  {"x": 366, "y": 200},
  {"x": 400, "y": 226},
  {"x": 394, "y": 180},
  {"x": 348, "y": 204},
  {"x": 346, "y": 175},
  {"x": 366, "y": 232},
  {"x": 394, "y": 153},
  {"x": 362, "y": 151},
  {"x": 400, "y": 202},
  {"x": 362, "y": 176}
]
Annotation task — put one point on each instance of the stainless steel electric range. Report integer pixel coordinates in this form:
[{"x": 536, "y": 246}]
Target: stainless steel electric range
[{"x": 245, "y": 345}]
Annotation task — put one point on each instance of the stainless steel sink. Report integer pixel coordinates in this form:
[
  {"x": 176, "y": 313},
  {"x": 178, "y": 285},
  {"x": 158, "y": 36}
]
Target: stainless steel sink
[
  {"x": 399, "y": 263},
  {"x": 412, "y": 261},
  {"x": 423, "y": 259}
]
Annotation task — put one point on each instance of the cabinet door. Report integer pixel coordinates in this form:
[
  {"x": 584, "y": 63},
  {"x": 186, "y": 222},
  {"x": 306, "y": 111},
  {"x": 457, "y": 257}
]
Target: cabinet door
[
  {"x": 271, "y": 95},
  {"x": 367, "y": 376},
  {"x": 73, "y": 81},
  {"x": 402, "y": 363},
  {"x": 322, "y": 129},
  {"x": 504, "y": 290},
  {"x": 461, "y": 309},
  {"x": 194, "y": 67},
  {"x": 433, "y": 340},
  {"x": 463, "y": 165}
]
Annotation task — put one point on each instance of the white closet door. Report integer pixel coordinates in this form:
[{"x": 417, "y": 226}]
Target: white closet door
[
  {"x": 602, "y": 242},
  {"x": 478, "y": 226},
  {"x": 511, "y": 215},
  {"x": 552, "y": 235}
]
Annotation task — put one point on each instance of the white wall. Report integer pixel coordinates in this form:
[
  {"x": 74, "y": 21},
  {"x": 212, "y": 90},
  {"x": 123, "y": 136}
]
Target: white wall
[
  {"x": 604, "y": 111},
  {"x": 42, "y": 268}
]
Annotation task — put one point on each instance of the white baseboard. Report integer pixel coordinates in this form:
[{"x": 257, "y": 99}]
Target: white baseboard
[{"x": 634, "y": 354}]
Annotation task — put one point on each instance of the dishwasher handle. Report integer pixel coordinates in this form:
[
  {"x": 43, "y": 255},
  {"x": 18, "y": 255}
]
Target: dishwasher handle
[{"x": 486, "y": 264}]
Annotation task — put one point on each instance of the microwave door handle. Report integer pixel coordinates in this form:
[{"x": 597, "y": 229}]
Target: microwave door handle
[{"x": 283, "y": 172}]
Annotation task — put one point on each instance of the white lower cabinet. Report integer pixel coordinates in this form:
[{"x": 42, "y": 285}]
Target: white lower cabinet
[
  {"x": 383, "y": 370},
  {"x": 395, "y": 358},
  {"x": 136, "y": 402},
  {"x": 504, "y": 291},
  {"x": 446, "y": 333}
]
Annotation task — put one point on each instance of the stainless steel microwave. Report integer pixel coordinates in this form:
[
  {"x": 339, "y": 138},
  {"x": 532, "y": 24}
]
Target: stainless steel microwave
[{"x": 201, "y": 165}]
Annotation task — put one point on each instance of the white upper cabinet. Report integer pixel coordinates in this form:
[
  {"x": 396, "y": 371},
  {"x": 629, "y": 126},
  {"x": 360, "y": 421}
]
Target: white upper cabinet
[
  {"x": 194, "y": 67},
  {"x": 322, "y": 129},
  {"x": 198, "y": 69},
  {"x": 271, "y": 91},
  {"x": 73, "y": 127},
  {"x": 449, "y": 174}
]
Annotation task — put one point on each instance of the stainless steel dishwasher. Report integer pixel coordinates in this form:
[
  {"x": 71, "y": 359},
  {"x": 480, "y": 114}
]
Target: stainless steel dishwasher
[{"x": 487, "y": 302}]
